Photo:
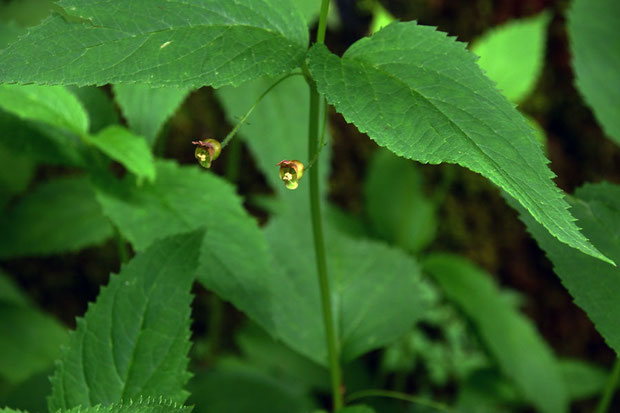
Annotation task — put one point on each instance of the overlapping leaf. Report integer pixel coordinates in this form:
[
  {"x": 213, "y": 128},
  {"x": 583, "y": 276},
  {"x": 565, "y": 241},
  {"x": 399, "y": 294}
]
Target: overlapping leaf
[
  {"x": 422, "y": 96},
  {"x": 178, "y": 43},
  {"x": 521, "y": 352},
  {"x": 134, "y": 340}
]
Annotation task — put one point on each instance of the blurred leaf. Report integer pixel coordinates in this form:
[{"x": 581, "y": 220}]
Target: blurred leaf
[
  {"x": 398, "y": 209},
  {"x": 30, "y": 394},
  {"x": 420, "y": 94},
  {"x": 29, "y": 339},
  {"x": 594, "y": 285},
  {"x": 9, "y": 410},
  {"x": 146, "y": 109},
  {"x": 126, "y": 148},
  {"x": 583, "y": 380},
  {"x": 512, "y": 55},
  {"x": 61, "y": 215},
  {"x": 233, "y": 387},
  {"x": 133, "y": 341},
  {"x": 486, "y": 391},
  {"x": 520, "y": 351},
  {"x": 180, "y": 44},
  {"x": 9, "y": 31},
  {"x": 53, "y": 105},
  {"x": 594, "y": 39},
  {"x": 16, "y": 172},
  {"x": 149, "y": 405},
  {"x": 380, "y": 18},
  {"x": 356, "y": 409},
  {"x": 98, "y": 105}
]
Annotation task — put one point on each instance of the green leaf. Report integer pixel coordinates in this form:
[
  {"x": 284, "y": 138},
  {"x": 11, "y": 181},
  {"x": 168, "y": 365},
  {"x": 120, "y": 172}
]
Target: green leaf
[
  {"x": 57, "y": 216},
  {"x": 512, "y": 55},
  {"x": 148, "y": 405},
  {"x": 594, "y": 285},
  {"x": 520, "y": 351},
  {"x": 133, "y": 341},
  {"x": 360, "y": 408},
  {"x": 33, "y": 340},
  {"x": 123, "y": 146},
  {"x": 9, "y": 410},
  {"x": 232, "y": 386},
  {"x": 398, "y": 209},
  {"x": 146, "y": 109},
  {"x": 594, "y": 39},
  {"x": 52, "y": 105},
  {"x": 99, "y": 106},
  {"x": 583, "y": 380},
  {"x": 421, "y": 94},
  {"x": 177, "y": 43},
  {"x": 16, "y": 172}
]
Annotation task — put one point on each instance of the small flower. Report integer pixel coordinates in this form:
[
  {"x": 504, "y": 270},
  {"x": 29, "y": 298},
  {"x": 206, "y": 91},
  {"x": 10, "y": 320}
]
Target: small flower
[
  {"x": 207, "y": 151},
  {"x": 290, "y": 173}
]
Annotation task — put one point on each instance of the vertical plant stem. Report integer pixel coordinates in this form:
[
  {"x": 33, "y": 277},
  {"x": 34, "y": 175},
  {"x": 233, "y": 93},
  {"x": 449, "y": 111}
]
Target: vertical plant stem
[
  {"x": 610, "y": 388},
  {"x": 333, "y": 351}
]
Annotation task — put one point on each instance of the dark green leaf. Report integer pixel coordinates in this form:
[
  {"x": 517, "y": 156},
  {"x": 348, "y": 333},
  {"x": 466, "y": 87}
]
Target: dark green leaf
[
  {"x": 421, "y": 94},
  {"x": 16, "y": 172},
  {"x": 100, "y": 108},
  {"x": 133, "y": 341},
  {"x": 149, "y": 405},
  {"x": 178, "y": 43},
  {"x": 583, "y": 380}
]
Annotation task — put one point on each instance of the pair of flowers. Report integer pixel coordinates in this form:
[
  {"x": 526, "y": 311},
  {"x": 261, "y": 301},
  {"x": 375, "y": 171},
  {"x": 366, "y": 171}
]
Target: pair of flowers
[{"x": 209, "y": 150}]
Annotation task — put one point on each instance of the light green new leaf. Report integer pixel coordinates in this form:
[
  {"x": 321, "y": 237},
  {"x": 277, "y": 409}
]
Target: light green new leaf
[
  {"x": 133, "y": 341},
  {"x": 594, "y": 285},
  {"x": 512, "y": 55},
  {"x": 421, "y": 94},
  {"x": 57, "y": 216},
  {"x": 520, "y": 351},
  {"x": 594, "y": 40},
  {"x": 146, "y": 109},
  {"x": 123, "y": 146},
  {"x": 30, "y": 340},
  {"x": 148, "y": 405},
  {"x": 396, "y": 204},
  {"x": 51, "y": 105},
  {"x": 181, "y": 43}
]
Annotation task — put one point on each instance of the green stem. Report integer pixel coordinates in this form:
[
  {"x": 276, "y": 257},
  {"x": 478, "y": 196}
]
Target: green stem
[
  {"x": 249, "y": 112},
  {"x": 610, "y": 388},
  {"x": 317, "y": 231},
  {"x": 322, "y": 142},
  {"x": 398, "y": 396}
]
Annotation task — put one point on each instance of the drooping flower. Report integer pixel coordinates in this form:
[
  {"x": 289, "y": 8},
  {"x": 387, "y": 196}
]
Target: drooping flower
[
  {"x": 291, "y": 172},
  {"x": 207, "y": 151}
]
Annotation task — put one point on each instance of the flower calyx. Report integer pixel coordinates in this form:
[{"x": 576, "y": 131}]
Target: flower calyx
[
  {"x": 207, "y": 151},
  {"x": 291, "y": 172}
]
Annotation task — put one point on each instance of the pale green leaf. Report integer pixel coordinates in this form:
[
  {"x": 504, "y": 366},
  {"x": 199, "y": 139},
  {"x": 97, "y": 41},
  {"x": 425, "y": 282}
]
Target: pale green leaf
[
  {"x": 146, "y": 109},
  {"x": 380, "y": 18},
  {"x": 148, "y": 405},
  {"x": 232, "y": 386},
  {"x": 594, "y": 285},
  {"x": 51, "y": 105},
  {"x": 594, "y": 40},
  {"x": 30, "y": 340},
  {"x": 133, "y": 341},
  {"x": 178, "y": 43},
  {"x": 583, "y": 380},
  {"x": 421, "y": 94},
  {"x": 398, "y": 209},
  {"x": 521, "y": 352},
  {"x": 128, "y": 149},
  {"x": 57, "y": 216},
  {"x": 512, "y": 55}
]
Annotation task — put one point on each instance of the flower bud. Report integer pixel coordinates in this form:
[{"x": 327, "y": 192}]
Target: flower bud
[
  {"x": 207, "y": 151},
  {"x": 290, "y": 173}
]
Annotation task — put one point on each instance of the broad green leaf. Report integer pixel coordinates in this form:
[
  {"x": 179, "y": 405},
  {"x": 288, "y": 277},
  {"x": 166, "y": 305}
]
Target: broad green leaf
[
  {"x": 421, "y": 94},
  {"x": 594, "y": 285},
  {"x": 594, "y": 39},
  {"x": 148, "y": 405},
  {"x": 99, "y": 106},
  {"x": 30, "y": 340},
  {"x": 146, "y": 109},
  {"x": 57, "y": 216},
  {"x": 398, "y": 209},
  {"x": 123, "y": 146},
  {"x": 9, "y": 32},
  {"x": 232, "y": 386},
  {"x": 521, "y": 352},
  {"x": 133, "y": 341},
  {"x": 277, "y": 129},
  {"x": 16, "y": 172},
  {"x": 179, "y": 43},
  {"x": 583, "y": 380},
  {"x": 51, "y": 105},
  {"x": 512, "y": 55}
]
